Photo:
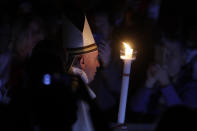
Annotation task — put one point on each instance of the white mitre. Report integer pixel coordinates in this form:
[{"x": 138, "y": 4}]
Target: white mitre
[{"x": 78, "y": 41}]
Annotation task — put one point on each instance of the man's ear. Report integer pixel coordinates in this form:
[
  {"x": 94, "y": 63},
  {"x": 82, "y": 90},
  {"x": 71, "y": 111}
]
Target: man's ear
[{"x": 82, "y": 62}]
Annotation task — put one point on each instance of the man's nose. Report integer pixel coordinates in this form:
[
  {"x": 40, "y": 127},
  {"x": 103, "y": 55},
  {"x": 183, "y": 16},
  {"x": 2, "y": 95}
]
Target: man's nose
[{"x": 98, "y": 64}]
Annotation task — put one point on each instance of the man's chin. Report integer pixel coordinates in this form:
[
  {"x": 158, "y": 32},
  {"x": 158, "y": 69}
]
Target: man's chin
[{"x": 90, "y": 80}]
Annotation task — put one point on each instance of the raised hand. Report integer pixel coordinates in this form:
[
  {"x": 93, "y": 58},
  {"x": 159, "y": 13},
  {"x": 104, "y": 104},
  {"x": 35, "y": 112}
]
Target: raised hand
[
  {"x": 104, "y": 52},
  {"x": 151, "y": 76},
  {"x": 162, "y": 75}
]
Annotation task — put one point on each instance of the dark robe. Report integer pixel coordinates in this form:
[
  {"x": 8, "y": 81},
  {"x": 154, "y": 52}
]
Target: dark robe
[{"x": 51, "y": 106}]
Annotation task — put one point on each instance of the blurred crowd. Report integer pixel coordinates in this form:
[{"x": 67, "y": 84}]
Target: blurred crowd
[{"x": 163, "y": 76}]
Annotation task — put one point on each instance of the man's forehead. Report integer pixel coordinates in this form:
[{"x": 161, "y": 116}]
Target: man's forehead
[{"x": 92, "y": 53}]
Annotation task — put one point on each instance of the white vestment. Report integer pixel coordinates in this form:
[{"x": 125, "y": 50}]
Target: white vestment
[{"x": 84, "y": 122}]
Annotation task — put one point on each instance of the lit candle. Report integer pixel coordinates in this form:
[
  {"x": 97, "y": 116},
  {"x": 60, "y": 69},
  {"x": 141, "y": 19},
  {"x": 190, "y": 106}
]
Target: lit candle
[{"x": 127, "y": 57}]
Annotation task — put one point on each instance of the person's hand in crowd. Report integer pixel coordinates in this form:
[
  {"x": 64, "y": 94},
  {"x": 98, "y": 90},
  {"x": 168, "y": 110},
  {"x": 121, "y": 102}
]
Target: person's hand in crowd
[
  {"x": 104, "y": 52},
  {"x": 151, "y": 76},
  {"x": 157, "y": 73},
  {"x": 119, "y": 127},
  {"x": 162, "y": 75}
]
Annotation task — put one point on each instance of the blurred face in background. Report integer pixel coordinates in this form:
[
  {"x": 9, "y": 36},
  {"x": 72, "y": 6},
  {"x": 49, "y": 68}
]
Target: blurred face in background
[
  {"x": 153, "y": 10},
  {"x": 102, "y": 24},
  {"x": 28, "y": 38},
  {"x": 34, "y": 35},
  {"x": 174, "y": 57}
]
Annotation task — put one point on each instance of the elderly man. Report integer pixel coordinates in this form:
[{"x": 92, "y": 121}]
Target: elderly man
[
  {"x": 83, "y": 61},
  {"x": 82, "y": 49}
]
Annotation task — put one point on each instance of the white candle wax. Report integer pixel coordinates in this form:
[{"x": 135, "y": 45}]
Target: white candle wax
[{"x": 124, "y": 91}]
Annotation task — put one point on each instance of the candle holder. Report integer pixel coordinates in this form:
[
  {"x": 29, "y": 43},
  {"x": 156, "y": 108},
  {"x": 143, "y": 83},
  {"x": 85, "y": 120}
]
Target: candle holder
[{"x": 120, "y": 127}]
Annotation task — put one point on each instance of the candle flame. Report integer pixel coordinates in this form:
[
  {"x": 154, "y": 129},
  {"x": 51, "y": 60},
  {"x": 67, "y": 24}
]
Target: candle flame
[{"x": 128, "y": 51}]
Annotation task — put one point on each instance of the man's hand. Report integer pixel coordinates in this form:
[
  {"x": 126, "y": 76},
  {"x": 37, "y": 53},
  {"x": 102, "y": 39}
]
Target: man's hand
[
  {"x": 162, "y": 75},
  {"x": 151, "y": 76},
  {"x": 104, "y": 52},
  {"x": 157, "y": 73}
]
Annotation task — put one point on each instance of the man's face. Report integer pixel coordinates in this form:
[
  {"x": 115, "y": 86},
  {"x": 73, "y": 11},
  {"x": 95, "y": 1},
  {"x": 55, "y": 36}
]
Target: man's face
[
  {"x": 31, "y": 37},
  {"x": 153, "y": 11},
  {"x": 102, "y": 24},
  {"x": 90, "y": 64},
  {"x": 34, "y": 34},
  {"x": 174, "y": 57}
]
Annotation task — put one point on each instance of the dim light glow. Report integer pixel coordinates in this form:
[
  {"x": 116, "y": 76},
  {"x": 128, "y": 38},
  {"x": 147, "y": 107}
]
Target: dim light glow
[
  {"x": 47, "y": 79},
  {"x": 128, "y": 52}
]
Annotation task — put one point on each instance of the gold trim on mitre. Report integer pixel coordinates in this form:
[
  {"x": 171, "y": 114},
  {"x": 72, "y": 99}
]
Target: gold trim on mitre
[{"x": 82, "y": 50}]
